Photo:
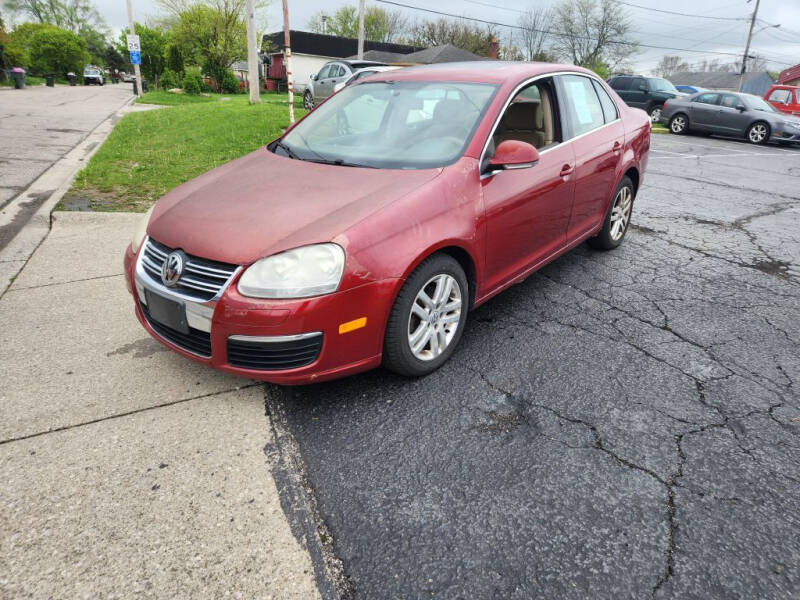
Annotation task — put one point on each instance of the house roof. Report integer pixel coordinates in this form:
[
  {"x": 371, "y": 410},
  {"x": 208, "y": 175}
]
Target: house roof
[
  {"x": 718, "y": 80},
  {"x": 306, "y": 42},
  {"x": 789, "y": 74},
  {"x": 442, "y": 54}
]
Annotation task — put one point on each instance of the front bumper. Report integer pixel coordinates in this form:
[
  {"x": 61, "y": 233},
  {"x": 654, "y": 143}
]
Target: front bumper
[
  {"x": 233, "y": 323},
  {"x": 787, "y": 135}
]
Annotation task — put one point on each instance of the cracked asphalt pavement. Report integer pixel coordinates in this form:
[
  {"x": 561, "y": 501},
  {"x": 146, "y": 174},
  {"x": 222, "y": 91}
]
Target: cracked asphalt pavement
[{"x": 620, "y": 425}]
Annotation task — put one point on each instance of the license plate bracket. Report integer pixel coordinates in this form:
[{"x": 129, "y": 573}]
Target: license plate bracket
[{"x": 167, "y": 312}]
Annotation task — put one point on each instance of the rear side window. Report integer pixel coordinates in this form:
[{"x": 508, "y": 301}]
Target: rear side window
[
  {"x": 621, "y": 83},
  {"x": 638, "y": 84},
  {"x": 581, "y": 103},
  {"x": 783, "y": 96},
  {"x": 706, "y": 98},
  {"x": 609, "y": 108}
]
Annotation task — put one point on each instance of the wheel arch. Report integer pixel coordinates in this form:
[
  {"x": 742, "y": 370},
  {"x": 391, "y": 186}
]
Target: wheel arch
[{"x": 462, "y": 256}]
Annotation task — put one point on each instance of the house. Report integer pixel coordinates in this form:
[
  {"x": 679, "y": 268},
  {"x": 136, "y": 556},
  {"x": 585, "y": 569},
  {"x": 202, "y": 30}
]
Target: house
[
  {"x": 312, "y": 50},
  {"x": 790, "y": 76},
  {"x": 757, "y": 82}
]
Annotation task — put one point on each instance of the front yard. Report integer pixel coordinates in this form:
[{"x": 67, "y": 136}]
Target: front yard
[{"x": 149, "y": 153}]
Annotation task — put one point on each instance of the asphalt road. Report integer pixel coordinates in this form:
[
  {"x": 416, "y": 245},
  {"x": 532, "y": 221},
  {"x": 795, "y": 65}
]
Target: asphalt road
[
  {"x": 39, "y": 125},
  {"x": 620, "y": 425}
]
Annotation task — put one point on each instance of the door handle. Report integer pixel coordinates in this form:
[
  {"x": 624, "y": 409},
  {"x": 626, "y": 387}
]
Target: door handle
[
  {"x": 567, "y": 169},
  {"x": 617, "y": 148}
]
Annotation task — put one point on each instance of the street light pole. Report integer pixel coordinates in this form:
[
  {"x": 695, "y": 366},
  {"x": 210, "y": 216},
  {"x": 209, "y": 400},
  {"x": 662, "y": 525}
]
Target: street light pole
[
  {"x": 252, "y": 54},
  {"x": 287, "y": 57},
  {"x": 361, "y": 30},
  {"x": 132, "y": 31},
  {"x": 747, "y": 46}
]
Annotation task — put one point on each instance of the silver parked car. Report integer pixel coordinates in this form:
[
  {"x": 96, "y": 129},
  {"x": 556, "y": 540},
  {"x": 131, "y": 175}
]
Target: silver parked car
[
  {"x": 732, "y": 114},
  {"x": 323, "y": 84}
]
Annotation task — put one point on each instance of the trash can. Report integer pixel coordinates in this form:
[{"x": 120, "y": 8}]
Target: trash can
[
  {"x": 72, "y": 78},
  {"x": 144, "y": 87},
  {"x": 50, "y": 79},
  {"x": 18, "y": 75}
]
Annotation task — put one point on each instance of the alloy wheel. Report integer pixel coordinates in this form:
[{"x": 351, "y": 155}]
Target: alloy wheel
[
  {"x": 678, "y": 124},
  {"x": 308, "y": 102},
  {"x": 621, "y": 213},
  {"x": 435, "y": 317},
  {"x": 655, "y": 114},
  {"x": 758, "y": 133}
]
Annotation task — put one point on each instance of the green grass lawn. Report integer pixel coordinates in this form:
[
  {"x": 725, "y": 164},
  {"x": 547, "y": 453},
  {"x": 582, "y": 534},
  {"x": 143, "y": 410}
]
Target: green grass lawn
[{"x": 149, "y": 153}]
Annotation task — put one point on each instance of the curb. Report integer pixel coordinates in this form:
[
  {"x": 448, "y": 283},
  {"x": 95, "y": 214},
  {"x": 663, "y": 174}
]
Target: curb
[{"x": 30, "y": 212}]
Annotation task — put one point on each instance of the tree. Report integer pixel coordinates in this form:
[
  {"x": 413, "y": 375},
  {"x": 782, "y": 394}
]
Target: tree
[
  {"x": 716, "y": 66},
  {"x": 380, "y": 25},
  {"x": 211, "y": 33},
  {"x": 175, "y": 60},
  {"x": 533, "y": 36},
  {"x": 19, "y": 43},
  {"x": 66, "y": 14},
  {"x": 591, "y": 33},
  {"x": 114, "y": 59},
  {"x": 54, "y": 50},
  {"x": 670, "y": 64},
  {"x": 461, "y": 34}
]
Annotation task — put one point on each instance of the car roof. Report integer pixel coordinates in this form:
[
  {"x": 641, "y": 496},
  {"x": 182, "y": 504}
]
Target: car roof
[{"x": 488, "y": 71}]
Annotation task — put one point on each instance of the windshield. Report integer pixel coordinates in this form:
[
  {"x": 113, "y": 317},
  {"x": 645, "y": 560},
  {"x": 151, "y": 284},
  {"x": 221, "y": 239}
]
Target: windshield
[
  {"x": 757, "y": 103},
  {"x": 394, "y": 125},
  {"x": 661, "y": 85}
]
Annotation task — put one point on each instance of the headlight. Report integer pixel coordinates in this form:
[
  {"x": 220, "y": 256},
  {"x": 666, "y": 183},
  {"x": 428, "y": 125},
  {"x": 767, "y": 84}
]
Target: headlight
[
  {"x": 141, "y": 230},
  {"x": 299, "y": 273}
]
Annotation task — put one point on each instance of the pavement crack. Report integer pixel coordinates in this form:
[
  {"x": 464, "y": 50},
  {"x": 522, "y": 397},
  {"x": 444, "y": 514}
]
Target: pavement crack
[
  {"x": 42, "y": 285},
  {"x": 123, "y": 414}
]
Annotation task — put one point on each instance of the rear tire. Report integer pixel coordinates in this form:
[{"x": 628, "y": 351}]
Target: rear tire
[
  {"x": 679, "y": 124},
  {"x": 758, "y": 133},
  {"x": 655, "y": 113},
  {"x": 428, "y": 317},
  {"x": 308, "y": 101},
  {"x": 618, "y": 218}
]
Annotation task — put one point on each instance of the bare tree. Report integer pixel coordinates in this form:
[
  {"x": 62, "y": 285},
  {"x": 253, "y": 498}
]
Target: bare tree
[
  {"x": 670, "y": 64},
  {"x": 716, "y": 66},
  {"x": 593, "y": 33},
  {"x": 380, "y": 25},
  {"x": 459, "y": 33},
  {"x": 533, "y": 35}
]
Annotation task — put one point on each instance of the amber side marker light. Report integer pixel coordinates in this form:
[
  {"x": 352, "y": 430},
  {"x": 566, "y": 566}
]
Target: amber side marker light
[{"x": 353, "y": 325}]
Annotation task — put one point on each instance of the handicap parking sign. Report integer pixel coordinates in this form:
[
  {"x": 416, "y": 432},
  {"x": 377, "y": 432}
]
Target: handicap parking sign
[{"x": 136, "y": 58}]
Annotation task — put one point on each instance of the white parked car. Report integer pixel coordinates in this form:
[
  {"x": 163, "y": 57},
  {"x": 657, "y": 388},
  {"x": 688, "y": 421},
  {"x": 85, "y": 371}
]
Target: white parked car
[
  {"x": 361, "y": 74},
  {"x": 331, "y": 74}
]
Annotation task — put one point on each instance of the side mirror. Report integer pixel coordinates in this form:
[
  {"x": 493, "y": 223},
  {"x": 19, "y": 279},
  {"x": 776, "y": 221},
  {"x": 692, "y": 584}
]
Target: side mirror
[
  {"x": 513, "y": 154},
  {"x": 313, "y": 77},
  {"x": 741, "y": 107}
]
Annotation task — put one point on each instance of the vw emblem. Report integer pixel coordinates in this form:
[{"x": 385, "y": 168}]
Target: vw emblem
[{"x": 172, "y": 269}]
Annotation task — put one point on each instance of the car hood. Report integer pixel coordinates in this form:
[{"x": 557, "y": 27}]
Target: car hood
[{"x": 262, "y": 203}]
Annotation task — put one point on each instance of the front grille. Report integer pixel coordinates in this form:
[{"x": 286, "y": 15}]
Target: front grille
[
  {"x": 196, "y": 341},
  {"x": 202, "y": 278},
  {"x": 271, "y": 356}
]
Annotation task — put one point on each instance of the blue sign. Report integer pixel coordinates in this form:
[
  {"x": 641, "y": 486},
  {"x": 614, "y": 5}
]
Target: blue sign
[{"x": 136, "y": 58}]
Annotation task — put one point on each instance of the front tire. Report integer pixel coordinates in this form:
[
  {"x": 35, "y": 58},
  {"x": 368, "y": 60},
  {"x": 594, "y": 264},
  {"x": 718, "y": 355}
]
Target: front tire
[
  {"x": 758, "y": 133},
  {"x": 618, "y": 218},
  {"x": 428, "y": 317},
  {"x": 308, "y": 101},
  {"x": 679, "y": 124},
  {"x": 655, "y": 113}
]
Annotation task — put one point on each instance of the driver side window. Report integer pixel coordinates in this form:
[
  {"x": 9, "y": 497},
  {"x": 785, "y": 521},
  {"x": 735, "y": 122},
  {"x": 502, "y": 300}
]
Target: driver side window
[{"x": 530, "y": 117}]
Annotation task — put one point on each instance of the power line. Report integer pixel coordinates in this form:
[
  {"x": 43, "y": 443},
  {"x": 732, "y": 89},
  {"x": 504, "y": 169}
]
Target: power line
[
  {"x": 680, "y": 14},
  {"x": 554, "y": 33}
]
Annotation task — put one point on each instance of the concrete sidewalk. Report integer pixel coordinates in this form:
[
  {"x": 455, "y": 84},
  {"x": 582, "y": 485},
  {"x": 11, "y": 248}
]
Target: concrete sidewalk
[{"x": 128, "y": 470}]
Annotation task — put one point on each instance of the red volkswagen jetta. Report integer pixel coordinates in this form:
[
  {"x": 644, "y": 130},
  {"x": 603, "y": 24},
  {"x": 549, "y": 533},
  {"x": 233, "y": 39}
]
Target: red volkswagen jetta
[{"x": 367, "y": 231}]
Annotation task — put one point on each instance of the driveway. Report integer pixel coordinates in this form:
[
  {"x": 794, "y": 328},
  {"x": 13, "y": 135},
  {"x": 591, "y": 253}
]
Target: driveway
[
  {"x": 620, "y": 425},
  {"x": 41, "y": 124}
]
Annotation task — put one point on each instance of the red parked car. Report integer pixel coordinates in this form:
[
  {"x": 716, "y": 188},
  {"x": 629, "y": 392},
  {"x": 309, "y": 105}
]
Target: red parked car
[
  {"x": 785, "y": 98},
  {"x": 368, "y": 230}
]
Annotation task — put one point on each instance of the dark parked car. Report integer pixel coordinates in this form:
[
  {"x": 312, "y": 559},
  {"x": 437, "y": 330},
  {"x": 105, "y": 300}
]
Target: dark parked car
[
  {"x": 734, "y": 114},
  {"x": 647, "y": 93}
]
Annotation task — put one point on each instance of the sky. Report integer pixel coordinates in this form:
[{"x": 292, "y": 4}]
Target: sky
[{"x": 697, "y": 38}]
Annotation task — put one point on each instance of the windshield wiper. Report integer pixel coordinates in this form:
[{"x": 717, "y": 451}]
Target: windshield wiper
[
  {"x": 339, "y": 162},
  {"x": 289, "y": 152}
]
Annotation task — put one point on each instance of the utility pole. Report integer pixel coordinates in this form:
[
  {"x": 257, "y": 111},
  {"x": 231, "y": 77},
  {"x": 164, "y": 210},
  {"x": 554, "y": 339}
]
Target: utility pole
[
  {"x": 254, "y": 80},
  {"x": 747, "y": 46},
  {"x": 132, "y": 31},
  {"x": 287, "y": 58},
  {"x": 360, "y": 29}
]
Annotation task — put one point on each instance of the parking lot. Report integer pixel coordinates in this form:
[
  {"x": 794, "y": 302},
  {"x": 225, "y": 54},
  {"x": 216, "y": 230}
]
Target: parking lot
[{"x": 620, "y": 425}]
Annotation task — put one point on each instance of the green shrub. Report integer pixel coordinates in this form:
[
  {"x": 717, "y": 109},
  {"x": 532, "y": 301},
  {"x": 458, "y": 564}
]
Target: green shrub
[
  {"x": 168, "y": 80},
  {"x": 230, "y": 83},
  {"x": 54, "y": 50},
  {"x": 193, "y": 81}
]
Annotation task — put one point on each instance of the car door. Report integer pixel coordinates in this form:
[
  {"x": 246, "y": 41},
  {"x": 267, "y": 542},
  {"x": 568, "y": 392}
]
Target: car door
[
  {"x": 527, "y": 210},
  {"x": 337, "y": 75},
  {"x": 703, "y": 111},
  {"x": 729, "y": 118},
  {"x": 638, "y": 96},
  {"x": 598, "y": 137},
  {"x": 622, "y": 85},
  {"x": 322, "y": 83}
]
